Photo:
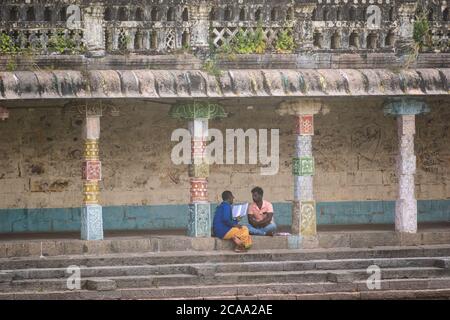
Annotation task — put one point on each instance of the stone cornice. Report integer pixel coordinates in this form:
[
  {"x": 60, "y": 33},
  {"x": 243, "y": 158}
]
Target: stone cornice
[{"x": 176, "y": 84}]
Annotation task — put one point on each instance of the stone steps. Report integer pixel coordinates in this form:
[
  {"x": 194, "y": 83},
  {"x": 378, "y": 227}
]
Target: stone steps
[
  {"x": 311, "y": 276},
  {"x": 254, "y": 275},
  {"x": 380, "y": 295},
  {"x": 224, "y": 267},
  {"x": 390, "y": 289},
  {"x": 222, "y": 256}
]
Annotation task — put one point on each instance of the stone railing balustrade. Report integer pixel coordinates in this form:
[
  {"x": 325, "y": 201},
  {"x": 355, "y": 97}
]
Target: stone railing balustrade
[{"x": 164, "y": 26}]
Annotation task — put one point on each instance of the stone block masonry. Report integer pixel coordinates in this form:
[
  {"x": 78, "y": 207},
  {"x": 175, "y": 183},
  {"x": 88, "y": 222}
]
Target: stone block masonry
[{"x": 354, "y": 147}]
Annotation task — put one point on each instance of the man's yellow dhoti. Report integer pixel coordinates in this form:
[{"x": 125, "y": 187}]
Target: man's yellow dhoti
[{"x": 242, "y": 234}]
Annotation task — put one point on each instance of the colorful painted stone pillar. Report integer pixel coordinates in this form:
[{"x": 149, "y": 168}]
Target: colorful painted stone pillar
[
  {"x": 406, "y": 204},
  {"x": 304, "y": 206},
  {"x": 198, "y": 114},
  {"x": 91, "y": 213}
]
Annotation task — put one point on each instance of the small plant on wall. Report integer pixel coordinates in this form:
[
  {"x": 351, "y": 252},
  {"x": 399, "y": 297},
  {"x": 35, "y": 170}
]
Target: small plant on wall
[
  {"x": 249, "y": 42},
  {"x": 421, "y": 31},
  {"x": 9, "y": 49},
  {"x": 246, "y": 42},
  {"x": 285, "y": 41},
  {"x": 62, "y": 45},
  {"x": 7, "y": 45},
  {"x": 421, "y": 36}
]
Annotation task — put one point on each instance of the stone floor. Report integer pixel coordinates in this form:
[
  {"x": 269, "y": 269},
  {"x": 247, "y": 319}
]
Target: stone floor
[
  {"x": 132, "y": 234},
  {"x": 363, "y": 236}
]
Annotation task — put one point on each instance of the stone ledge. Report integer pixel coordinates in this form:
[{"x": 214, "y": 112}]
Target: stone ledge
[
  {"x": 5, "y": 277},
  {"x": 243, "y": 61},
  {"x": 32, "y": 248},
  {"x": 194, "y": 83},
  {"x": 100, "y": 284}
]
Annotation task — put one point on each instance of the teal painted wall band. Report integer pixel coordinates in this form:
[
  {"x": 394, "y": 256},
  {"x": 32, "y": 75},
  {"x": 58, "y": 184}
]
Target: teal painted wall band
[{"x": 156, "y": 217}]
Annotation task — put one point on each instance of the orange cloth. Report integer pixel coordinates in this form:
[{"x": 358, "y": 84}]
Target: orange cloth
[{"x": 242, "y": 234}]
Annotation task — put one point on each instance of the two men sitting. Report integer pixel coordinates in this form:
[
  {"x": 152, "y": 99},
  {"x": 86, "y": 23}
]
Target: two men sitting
[{"x": 259, "y": 215}]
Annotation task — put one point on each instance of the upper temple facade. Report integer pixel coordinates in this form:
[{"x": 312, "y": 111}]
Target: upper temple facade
[
  {"x": 307, "y": 33},
  {"x": 358, "y": 89}
]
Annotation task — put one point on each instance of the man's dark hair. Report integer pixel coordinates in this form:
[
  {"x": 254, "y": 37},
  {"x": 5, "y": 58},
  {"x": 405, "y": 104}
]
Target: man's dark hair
[
  {"x": 226, "y": 195},
  {"x": 258, "y": 190}
]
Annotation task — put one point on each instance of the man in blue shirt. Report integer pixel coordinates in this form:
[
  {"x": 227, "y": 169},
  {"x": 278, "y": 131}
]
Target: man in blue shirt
[{"x": 225, "y": 227}]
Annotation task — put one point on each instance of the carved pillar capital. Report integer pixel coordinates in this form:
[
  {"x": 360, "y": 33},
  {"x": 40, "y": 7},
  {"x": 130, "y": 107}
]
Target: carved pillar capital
[
  {"x": 197, "y": 110},
  {"x": 96, "y": 109},
  {"x": 302, "y": 107},
  {"x": 405, "y": 106}
]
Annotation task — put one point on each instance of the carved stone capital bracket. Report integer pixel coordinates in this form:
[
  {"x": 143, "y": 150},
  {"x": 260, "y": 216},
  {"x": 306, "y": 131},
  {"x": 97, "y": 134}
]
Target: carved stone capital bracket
[
  {"x": 95, "y": 10},
  {"x": 407, "y": 9},
  {"x": 201, "y": 10},
  {"x": 302, "y": 107},
  {"x": 95, "y": 109},
  {"x": 305, "y": 9},
  {"x": 197, "y": 110},
  {"x": 405, "y": 106}
]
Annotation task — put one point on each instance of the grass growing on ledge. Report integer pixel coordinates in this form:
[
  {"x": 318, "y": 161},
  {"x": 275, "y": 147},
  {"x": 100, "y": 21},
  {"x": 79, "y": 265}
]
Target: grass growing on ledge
[
  {"x": 62, "y": 45},
  {"x": 7, "y": 45},
  {"x": 421, "y": 37},
  {"x": 421, "y": 30},
  {"x": 285, "y": 42},
  {"x": 254, "y": 42},
  {"x": 210, "y": 67},
  {"x": 249, "y": 42},
  {"x": 245, "y": 42}
]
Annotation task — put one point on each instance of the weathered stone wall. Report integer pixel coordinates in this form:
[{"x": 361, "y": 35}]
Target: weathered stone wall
[{"x": 354, "y": 147}]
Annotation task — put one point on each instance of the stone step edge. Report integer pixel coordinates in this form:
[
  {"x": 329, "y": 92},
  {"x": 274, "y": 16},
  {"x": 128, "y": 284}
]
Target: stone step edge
[
  {"x": 385, "y": 295},
  {"x": 226, "y": 264},
  {"x": 339, "y": 295},
  {"x": 277, "y": 252},
  {"x": 22, "y": 248},
  {"x": 117, "y": 294},
  {"x": 336, "y": 272}
]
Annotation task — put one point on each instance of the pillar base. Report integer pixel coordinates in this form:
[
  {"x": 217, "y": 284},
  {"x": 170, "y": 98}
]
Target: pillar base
[
  {"x": 304, "y": 218},
  {"x": 96, "y": 53},
  {"x": 199, "y": 221},
  {"x": 303, "y": 242},
  {"x": 406, "y": 215},
  {"x": 91, "y": 222}
]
